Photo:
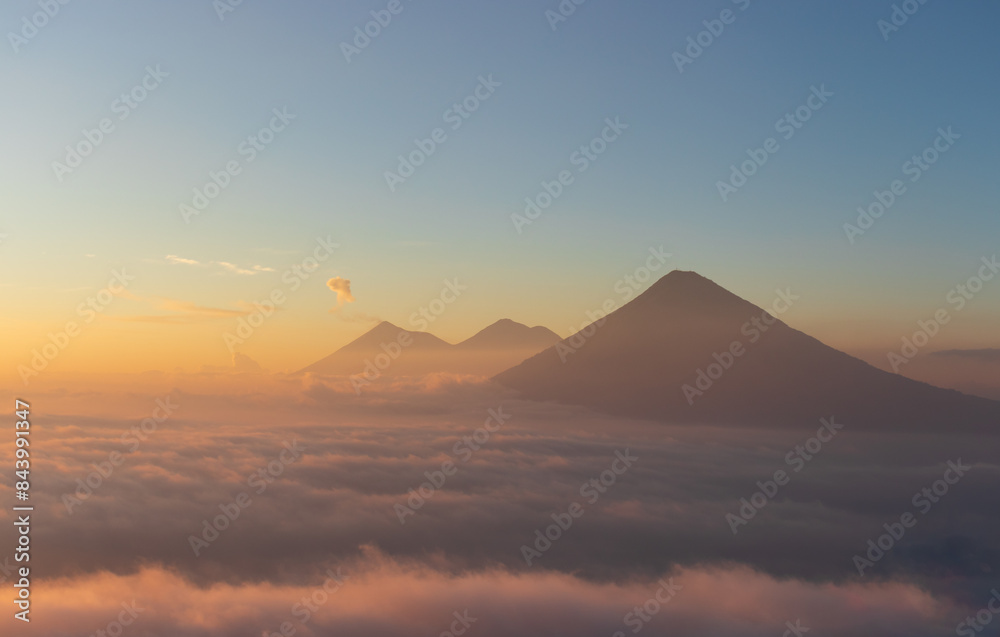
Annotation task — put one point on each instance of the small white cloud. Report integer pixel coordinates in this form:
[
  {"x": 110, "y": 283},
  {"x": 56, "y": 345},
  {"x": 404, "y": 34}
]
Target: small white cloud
[
  {"x": 175, "y": 260},
  {"x": 231, "y": 267},
  {"x": 342, "y": 287}
]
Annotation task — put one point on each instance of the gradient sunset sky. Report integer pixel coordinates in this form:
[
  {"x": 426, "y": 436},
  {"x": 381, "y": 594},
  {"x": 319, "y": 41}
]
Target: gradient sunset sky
[{"x": 323, "y": 176}]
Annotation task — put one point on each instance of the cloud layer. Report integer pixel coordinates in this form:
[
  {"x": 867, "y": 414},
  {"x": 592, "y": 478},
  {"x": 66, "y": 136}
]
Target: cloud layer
[{"x": 336, "y": 506}]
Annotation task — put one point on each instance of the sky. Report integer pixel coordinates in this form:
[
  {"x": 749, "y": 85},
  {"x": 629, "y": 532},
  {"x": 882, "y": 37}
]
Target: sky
[
  {"x": 217, "y": 77},
  {"x": 200, "y": 188}
]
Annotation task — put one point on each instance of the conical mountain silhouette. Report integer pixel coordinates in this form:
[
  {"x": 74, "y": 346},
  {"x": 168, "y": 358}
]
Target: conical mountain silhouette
[
  {"x": 506, "y": 333},
  {"x": 386, "y": 332},
  {"x": 668, "y": 355},
  {"x": 396, "y": 351}
]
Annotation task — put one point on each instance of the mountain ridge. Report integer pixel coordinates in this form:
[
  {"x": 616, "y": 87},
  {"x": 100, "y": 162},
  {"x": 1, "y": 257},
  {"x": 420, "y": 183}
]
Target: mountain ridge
[
  {"x": 490, "y": 350},
  {"x": 687, "y": 349}
]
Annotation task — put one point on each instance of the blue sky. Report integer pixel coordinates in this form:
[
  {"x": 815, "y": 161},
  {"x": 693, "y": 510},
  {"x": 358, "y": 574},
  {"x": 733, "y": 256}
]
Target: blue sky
[{"x": 655, "y": 185}]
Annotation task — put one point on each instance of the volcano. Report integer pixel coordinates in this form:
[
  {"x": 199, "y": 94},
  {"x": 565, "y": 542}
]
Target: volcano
[
  {"x": 403, "y": 352},
  {"x": 508, "y": 334},
  {"x": 687, "y": 350}
]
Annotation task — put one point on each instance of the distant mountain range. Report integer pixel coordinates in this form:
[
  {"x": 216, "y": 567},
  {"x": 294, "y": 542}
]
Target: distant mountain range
[
  {"x": 669, "y": 355},
  {"x": 396, "y": 351}
]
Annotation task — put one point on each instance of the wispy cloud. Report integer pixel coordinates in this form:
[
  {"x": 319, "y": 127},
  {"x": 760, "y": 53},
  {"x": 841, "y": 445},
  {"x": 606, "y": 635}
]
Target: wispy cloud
[
  {"x": 171, "y": 258},
  {"x": 223, "y": 266},
  {"x": 257, "y": 269},
  {"x": 180, "y": 312}
]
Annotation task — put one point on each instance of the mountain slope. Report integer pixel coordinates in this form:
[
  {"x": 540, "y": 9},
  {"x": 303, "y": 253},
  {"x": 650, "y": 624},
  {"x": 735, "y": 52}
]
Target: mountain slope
[
  {"x": 396, "y": 351},
  {"x": 382, "y": 340},
  {"x": 683, "y": 328},
  {"x": 508, "y": 334}
]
